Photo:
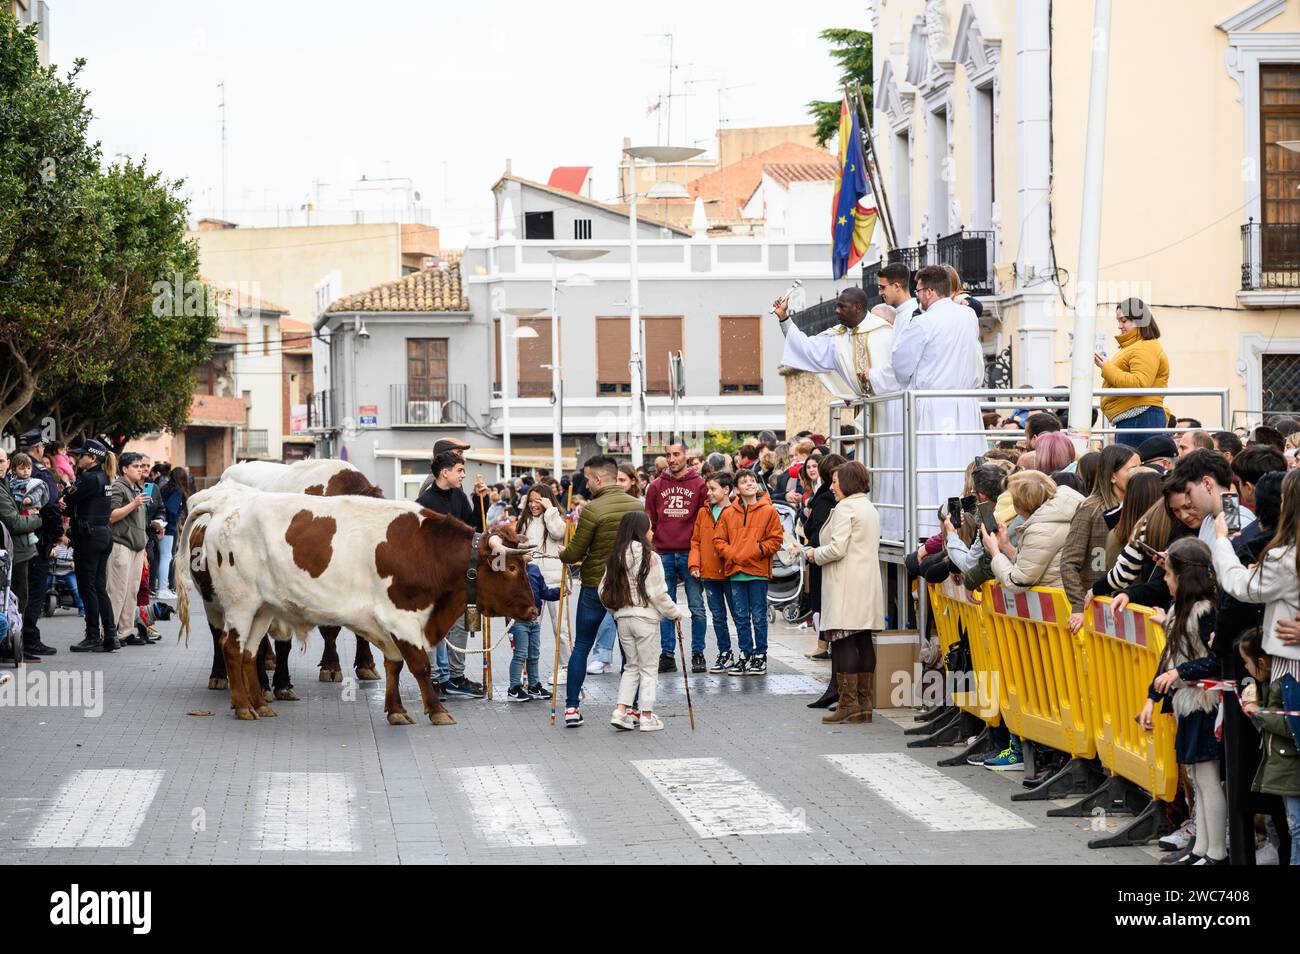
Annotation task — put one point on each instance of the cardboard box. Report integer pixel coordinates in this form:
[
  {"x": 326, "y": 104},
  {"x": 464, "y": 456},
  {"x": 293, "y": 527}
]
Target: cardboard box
[{"x": 897, "y": 652}]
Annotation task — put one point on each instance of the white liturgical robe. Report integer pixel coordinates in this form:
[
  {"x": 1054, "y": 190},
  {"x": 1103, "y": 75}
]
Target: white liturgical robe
[
  {"x": 838, "y": 355},
  {"x": 940, "y": 350}
]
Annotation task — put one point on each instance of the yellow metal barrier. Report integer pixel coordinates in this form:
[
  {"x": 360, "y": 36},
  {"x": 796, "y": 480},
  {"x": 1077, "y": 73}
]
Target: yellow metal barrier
[
  {"x": 956, "y": 609},
  {"x": 943, "y": 609},
  {"x": 1042, "y": 675},
  {"x": 1120, "y": 658}
]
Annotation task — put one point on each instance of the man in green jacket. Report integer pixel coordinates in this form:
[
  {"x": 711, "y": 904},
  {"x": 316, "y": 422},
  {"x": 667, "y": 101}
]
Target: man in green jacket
[{"x": 590, "y": 546}]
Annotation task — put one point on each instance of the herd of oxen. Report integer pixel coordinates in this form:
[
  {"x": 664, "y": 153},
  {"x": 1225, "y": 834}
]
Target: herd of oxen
[{"x": 277, "y": 549}]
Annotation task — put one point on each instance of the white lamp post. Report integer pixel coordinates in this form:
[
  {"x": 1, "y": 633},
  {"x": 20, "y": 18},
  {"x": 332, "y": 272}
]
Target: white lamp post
[
  {"x": 660, "y": 190},
  {"x": 505, "y": 374},
  {"x": 557, "y": 410}
]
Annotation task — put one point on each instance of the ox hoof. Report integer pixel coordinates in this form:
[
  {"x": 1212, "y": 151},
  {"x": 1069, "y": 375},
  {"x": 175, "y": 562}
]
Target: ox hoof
[
  {"x": 287, "y": 695},
  {"x": 367, "y": 674},
  {"x": 331, "y": 675},
  {"x": 247, "y": 715},
  {"x": 400, "y": 718},
  {"x": 441, "y": 718},
  {"x": 218, "y": 682},
  {"x": 266, "y": 712}
]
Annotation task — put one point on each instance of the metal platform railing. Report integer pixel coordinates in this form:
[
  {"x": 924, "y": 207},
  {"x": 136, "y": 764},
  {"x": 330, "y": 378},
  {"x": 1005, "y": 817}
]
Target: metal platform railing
[{"x": 876, "y": 447}]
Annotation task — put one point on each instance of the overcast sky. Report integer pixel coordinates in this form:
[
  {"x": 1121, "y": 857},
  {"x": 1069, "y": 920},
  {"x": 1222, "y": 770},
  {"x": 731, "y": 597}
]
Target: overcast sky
[{"x": 330, "y": 90}]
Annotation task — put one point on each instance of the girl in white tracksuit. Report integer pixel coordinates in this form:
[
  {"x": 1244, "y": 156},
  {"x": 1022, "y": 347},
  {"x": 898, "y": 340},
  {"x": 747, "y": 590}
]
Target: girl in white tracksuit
[{"x": 634, "y": 590}]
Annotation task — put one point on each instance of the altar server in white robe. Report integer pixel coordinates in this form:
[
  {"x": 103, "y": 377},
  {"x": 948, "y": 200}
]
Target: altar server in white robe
[
  {"x": 850, "y": 359},
  {"x": 940, "y": 350}
]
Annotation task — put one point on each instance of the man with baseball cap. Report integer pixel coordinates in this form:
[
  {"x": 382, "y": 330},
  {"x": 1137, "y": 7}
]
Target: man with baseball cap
[
  {"x": 38, "y": 567},
  {"x": 90, "y": 507}
]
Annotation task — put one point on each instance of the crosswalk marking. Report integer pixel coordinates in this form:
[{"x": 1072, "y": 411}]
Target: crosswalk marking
[
  {"x": 926, "y": 794},
  {"x": 513, "y": 807},
  {"x": 716, "y": 800},
  {"x": 305, "y": 811},
  {"x": 98, "y": 808}
]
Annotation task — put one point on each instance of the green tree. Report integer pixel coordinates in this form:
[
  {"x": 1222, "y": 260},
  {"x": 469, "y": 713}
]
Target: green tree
[
  {"x": 168, "y": 313},
  {"x": 80, "y": 251},
  {"x": 851, "y": 50}
]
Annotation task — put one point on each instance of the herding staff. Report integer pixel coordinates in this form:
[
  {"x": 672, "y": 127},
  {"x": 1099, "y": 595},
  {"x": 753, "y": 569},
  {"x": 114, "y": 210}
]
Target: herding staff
[
  {"x": 484, "y": 623},
  {"x": 559, "y": 625},
  {"x": 681, "y": 648}
]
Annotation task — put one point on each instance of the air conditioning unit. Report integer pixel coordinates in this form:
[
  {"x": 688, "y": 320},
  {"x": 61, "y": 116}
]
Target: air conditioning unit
[{"x": 423, "y": 412}]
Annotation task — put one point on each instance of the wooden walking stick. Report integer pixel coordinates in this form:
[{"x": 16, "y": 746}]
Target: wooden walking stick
[
  {"x": 681, "y": 648},
  {"x": 559, "y": 625}
]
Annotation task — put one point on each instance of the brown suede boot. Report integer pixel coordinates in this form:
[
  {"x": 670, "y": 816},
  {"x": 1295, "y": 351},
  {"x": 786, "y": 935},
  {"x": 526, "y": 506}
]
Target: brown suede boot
[
  {"x": 848, "y": 704},
  {"x": 866, "y": 696}
]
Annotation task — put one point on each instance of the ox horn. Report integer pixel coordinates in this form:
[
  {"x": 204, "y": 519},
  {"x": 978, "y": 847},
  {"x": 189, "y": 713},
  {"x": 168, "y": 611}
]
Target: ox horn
[{"x": 496, "y": 544}]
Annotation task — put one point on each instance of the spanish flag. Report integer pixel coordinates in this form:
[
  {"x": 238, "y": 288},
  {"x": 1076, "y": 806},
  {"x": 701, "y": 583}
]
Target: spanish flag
[{"x": 854, "y": 207}]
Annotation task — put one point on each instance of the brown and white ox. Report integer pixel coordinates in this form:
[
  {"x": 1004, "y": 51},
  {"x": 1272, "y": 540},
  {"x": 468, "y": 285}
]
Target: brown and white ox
[
  {"x": 319, "y": 477},
  {"x": 391, "y": 571}
]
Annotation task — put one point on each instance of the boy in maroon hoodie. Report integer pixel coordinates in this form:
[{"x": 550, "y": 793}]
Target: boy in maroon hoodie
[{"x": 672, "y": 500}]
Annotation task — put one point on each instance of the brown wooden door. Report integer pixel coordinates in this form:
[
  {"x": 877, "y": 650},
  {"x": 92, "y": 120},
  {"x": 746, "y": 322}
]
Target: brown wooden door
[{"x": 426, "y": 369}]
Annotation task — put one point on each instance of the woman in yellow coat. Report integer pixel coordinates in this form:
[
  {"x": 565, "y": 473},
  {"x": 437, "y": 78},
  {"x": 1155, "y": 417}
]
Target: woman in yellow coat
[{"x": 1140, "y": 363}]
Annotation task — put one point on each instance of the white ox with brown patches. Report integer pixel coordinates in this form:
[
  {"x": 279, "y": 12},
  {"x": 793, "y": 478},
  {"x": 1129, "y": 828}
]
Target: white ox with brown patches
[
  {"x": 391, "y": 571},
  {"x": 322, "y": 477}
]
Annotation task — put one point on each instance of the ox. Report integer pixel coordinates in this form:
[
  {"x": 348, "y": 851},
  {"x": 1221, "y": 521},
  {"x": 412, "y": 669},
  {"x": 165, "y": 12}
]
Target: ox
[
  {"x": 320, "y": 477},
  {"x": 391, "y": 571}
]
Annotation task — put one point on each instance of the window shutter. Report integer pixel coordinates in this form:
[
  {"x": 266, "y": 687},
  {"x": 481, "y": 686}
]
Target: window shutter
[
  {"x": 662, "y": 335},
  {"x": 426, "y": 369},
  {"x": 740, "y": 354},
  {"x": 534, "y": 379},
  {"x": 613, "y": 351}
]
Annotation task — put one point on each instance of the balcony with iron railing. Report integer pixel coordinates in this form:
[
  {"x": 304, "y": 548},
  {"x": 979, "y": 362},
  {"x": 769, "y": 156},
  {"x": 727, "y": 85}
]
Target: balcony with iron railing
[
  {"x": 438, "y": 404},
  {"x": 321, "y": 413},
  {"x": 252, "y": 442},
  {"x": 1270, "y": 256},
  {"x": 970, "y": 253}
]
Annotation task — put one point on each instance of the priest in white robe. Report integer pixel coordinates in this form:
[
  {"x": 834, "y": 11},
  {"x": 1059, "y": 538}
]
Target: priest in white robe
[
  {"x": 940, "y": 350},
  {"x": 852, "y": 360}
]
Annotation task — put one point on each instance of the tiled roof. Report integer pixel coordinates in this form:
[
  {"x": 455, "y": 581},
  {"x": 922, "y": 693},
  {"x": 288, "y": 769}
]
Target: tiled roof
[
  {"x": 295, "y": 336},
  {"x": 733, "y": 185},
  {"x": 783, "y": 173},
  {"x": 607, "y": 206},
  {"x": 428, "y": 290},
  {"x": 238, "y": 299},
  {"x": 569, "y": 178}
]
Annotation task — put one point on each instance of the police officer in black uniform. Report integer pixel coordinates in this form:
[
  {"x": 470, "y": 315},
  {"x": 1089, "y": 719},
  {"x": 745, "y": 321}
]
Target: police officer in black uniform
[{"x": 88, "y": 503}]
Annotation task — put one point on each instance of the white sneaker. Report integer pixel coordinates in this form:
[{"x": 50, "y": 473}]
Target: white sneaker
[
  {"x": 650, "y": 723},
  {"x": 562, "y": 676},
  {"x": 1181, "y": 839},
  {"x": 166, "y": 595},
  {"x": 624, "y": 722},
  {"x": 595, "y": 668}
]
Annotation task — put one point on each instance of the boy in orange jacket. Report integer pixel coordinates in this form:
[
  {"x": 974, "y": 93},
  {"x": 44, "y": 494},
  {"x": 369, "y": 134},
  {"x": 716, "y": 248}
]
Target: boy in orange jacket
[
  {"x": 747, "y": 536},
  {"x": 707, "y": 566}
]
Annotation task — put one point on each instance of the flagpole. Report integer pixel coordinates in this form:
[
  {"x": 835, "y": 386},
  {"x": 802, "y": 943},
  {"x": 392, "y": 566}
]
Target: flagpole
[{"x": 873, "y": 173}]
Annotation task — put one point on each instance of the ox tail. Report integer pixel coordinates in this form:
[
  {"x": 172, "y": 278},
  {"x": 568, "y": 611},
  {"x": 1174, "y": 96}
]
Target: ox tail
[{"x": 183, "y": 580}]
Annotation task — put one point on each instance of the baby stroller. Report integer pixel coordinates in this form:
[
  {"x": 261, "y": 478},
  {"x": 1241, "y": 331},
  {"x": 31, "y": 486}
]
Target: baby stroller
[{"x": 786, "y": 586}]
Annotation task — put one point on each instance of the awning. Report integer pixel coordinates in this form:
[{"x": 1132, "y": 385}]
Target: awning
[{"x": 528, "y": 459}]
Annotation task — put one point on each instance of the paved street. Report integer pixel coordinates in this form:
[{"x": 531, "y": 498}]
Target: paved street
[{"x": 329, "y": 781}]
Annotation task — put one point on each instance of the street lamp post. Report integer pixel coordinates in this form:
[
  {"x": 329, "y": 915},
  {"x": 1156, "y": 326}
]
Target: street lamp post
[
  {"x": 557, "y": 410},
  {"x": 661, "y": 190},
  {"x": 505, "y": 375}
]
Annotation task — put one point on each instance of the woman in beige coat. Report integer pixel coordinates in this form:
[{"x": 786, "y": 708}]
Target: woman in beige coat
[
  {"x": 1047, "y": 510},
  {"x": 852, "y": 601}
]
